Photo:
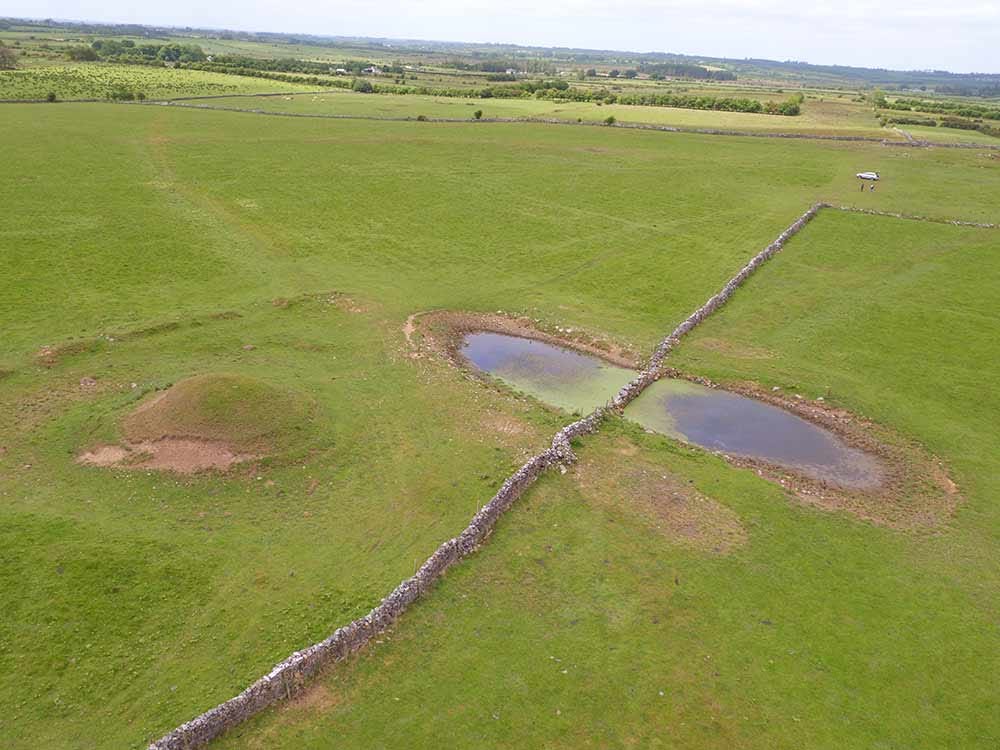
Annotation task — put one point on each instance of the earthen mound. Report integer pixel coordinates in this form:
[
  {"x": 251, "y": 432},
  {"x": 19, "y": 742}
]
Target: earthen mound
[{"x": 207, "y": 422}]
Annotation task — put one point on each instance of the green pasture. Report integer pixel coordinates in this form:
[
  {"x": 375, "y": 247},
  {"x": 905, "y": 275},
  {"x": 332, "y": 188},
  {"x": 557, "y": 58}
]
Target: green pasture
[
  {"x": 949, "y": 135},
  {"x": 580, "y": 624},
  {"x": 832, "y": 117},
  {"x": 165, "y": 240}
]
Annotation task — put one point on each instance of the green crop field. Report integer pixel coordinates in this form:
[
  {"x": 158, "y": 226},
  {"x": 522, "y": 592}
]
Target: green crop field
[
  {"x": 100, "y": 81},
  {"x": 268, "y": 265}
]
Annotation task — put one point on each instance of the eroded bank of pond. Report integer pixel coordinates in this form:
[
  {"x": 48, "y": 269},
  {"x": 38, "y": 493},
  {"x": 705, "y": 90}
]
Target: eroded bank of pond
[{"x": 714, "y": 419}]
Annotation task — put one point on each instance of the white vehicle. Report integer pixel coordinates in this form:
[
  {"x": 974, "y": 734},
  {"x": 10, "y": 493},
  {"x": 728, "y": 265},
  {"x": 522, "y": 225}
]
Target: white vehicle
[{"x": 868, "y": 176}]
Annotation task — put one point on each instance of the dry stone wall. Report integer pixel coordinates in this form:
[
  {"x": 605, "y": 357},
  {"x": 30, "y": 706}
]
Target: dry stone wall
[
  {"x": 913, "y": 217},
  {"x": 288, "y": 678}
]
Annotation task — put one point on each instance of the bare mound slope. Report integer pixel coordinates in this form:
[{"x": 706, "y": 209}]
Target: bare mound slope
[{"x": 209, "y": 421}]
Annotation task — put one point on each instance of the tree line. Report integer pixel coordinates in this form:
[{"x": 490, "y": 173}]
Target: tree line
[
  {"x": 557, "y": 90},
  {"x": 685, "y": 70},
  {"x": 291, "y": 65},
  {"x": 127, "y": 51},
  {"x": 8, "y": 58},
  {"x": 961, "y": 109}
]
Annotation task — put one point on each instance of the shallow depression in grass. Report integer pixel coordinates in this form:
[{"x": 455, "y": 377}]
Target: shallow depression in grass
[{"x": 708, "y": 417}]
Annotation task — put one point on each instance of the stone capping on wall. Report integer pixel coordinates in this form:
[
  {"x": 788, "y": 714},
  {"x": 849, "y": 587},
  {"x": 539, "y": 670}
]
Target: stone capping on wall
[{"x": 288, "y": 677}]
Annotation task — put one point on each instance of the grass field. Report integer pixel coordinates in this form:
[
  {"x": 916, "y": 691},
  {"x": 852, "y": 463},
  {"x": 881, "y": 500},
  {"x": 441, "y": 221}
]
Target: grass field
[
  {"x": 950, "y": 135},
  {"x": 832, "y": 117},
  {"x": 100, "y": 80},
  {"x": 164, "y": 240},
  {"x": 581, "y": 624}
]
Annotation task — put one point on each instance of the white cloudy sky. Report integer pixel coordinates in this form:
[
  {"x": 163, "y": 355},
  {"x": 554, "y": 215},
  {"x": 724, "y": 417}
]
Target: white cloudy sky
[{"x": 962, "y": 35}]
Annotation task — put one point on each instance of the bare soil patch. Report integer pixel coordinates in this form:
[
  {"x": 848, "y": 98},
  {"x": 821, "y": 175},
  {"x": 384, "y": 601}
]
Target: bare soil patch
[
  {"x": 184, "y": 456},
  {"x": 352, "y": 305},
  {"x": 50, "y": 356},
  {"x": 441, "y": 332},
  {"x": 671, "y": 505},
  {"x": 916, "y": 492}
]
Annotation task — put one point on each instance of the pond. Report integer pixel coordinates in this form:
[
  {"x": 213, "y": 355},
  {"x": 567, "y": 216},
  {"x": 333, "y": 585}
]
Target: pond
[{"x": 711, "y": 418}]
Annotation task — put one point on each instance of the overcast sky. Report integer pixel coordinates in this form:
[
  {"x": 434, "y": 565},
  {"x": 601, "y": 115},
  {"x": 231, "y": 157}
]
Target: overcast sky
[{"x": 961, "y": 35}]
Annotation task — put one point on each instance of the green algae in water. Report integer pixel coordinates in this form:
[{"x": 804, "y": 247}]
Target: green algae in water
[
  {"x": 711, "y": 418},
  {"x": 553, "y": 374}
]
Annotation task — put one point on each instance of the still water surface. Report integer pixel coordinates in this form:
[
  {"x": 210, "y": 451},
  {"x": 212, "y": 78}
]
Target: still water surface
[{"x": 708, "y": 417}]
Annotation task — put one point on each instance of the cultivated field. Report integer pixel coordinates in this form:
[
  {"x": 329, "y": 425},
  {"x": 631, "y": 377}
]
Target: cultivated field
[
  {"x": 102, "y": 81},
  {"x": 281, "y": 257}
]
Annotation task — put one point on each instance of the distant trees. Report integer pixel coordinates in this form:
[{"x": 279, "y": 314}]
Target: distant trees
[
  {"x": 789, "y": 108},
  {"x": 180, "y": 53},
  {"x": 631, "y": 73},
  {"x": 81, "y": 53},
  {"x": 127, "y": 51},
  {"x": 610, "y": 120},
  {"x": 591, "y": 72},
  {"x": 8, "y": 58},
  {"x": 478, "y": 114},
  {"x": 614, "y": 73},
  {"x": 362, "y": 86},
  {"x": 658, "y": 71},
  {"x": 961, "y": 109}
]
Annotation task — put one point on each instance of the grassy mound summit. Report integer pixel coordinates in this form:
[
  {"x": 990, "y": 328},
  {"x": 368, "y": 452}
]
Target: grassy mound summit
[{"x": 246, "y": 414}]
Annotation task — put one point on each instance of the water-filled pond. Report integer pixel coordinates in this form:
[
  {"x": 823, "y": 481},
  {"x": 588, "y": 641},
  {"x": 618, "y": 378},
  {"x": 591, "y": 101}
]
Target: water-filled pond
[{"x": 711, "y": 418}]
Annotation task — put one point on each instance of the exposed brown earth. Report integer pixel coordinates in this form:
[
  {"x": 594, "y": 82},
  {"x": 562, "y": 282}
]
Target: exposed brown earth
[
  {"x": 208, "y": 422},
  {"x": 441, "y": 332},
  {"x": 50, "y": 356},
  {"x": 184, "y": 456}
]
